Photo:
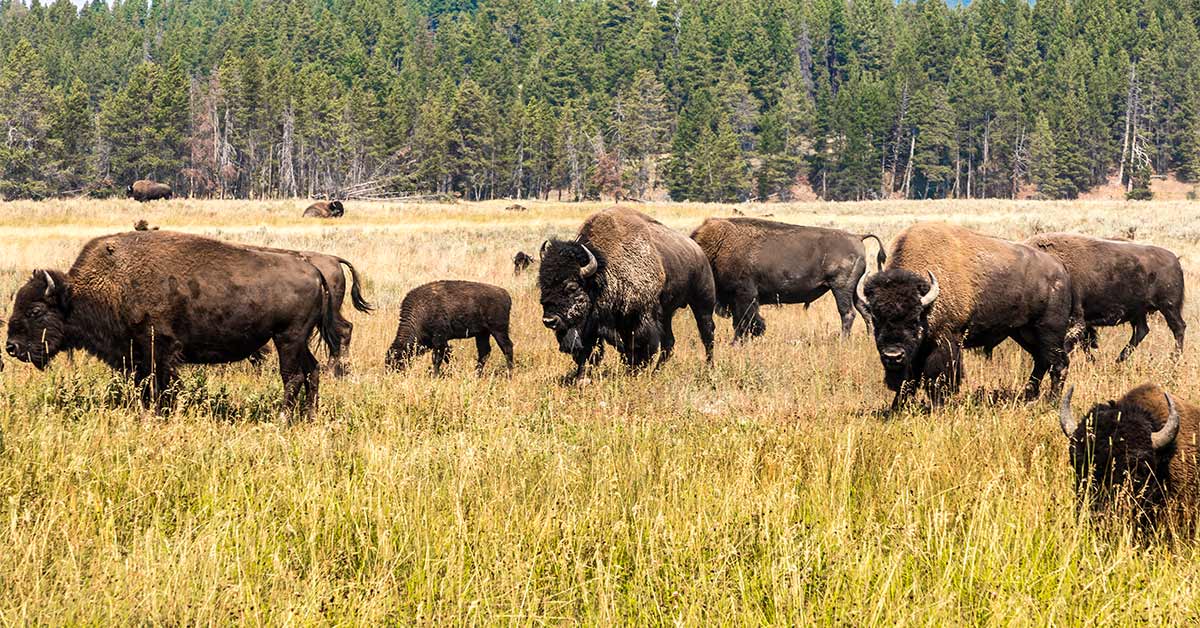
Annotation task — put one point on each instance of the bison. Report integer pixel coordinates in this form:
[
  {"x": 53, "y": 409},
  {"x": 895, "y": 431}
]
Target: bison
[
  {"x": 330, "y": 267},
  {"x": 325, "y": 209},
  {"x": 758, "y": 261},
  {"x": 621, "y": 281},
  {"x": 144, "y": 190},
  {"x": 145, "y": 302},
  {"x": 1116, "y": 282},
  {"x": 1142, "y": 447},
  {"x": 521, "y": 261},
  {"x": 437, "y": 312},
  {"x": 994, "y": 289}
]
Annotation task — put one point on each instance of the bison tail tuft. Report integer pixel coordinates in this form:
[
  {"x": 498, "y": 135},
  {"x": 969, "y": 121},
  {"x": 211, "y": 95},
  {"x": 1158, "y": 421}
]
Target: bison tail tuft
[
  {"x": 356, "y": 296},
  {"x": 327, "y": 328},
  {"x": 881, "y": 256}
]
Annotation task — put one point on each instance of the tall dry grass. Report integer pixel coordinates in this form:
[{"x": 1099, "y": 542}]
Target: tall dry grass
[{"x": 767, "y": 489}]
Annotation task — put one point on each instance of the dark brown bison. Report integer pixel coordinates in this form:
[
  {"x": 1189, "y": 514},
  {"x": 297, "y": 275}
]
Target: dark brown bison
[
  {"x": 144, "y": 190},
  {"x": 330, "y": 267},
  {"x": 946, "y": 288},
  {"x": 436, "y": 313},
  {"x": 145, "y": 302},
  {"x": 1116, "y": 282},
  {"x": 325, "y": 209},
  {"x": 757, "y": 262},
  {"x": 1141, "y": 449},
  {"x": 521, "y": 261},
  {"x": 621, "y": 281}
]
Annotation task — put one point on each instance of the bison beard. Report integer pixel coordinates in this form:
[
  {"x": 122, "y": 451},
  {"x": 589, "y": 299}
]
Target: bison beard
[{"x": 147, "y": 302}]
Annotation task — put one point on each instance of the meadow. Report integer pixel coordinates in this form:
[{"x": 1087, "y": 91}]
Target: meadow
[{"x": 768, "y": 489}]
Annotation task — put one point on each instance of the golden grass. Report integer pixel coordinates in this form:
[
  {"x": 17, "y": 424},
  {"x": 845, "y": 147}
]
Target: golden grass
[{"x": 767, "y": 489}]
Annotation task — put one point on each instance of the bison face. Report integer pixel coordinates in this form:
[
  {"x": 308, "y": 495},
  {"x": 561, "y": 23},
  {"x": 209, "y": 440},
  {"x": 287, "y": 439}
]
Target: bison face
[
  {"x": 521, "y": 261},
  {"x": 336, "y": 209},
  {"x": 1115, "y": 453},
  {"x": 899, "y": 303},
  {"x": 567, "y": 281},
  {"x": 36, "y": 328}
]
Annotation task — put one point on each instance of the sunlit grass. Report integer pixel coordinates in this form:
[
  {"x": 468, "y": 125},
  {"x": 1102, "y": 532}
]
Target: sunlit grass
[{"x": 766, "y": 489}]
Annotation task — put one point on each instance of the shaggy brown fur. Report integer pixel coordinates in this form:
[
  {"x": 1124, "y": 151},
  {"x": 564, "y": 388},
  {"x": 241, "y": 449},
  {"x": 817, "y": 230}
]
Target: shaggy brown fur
[
  {"x": 990, "y": 290},
  {"x": 325, "y": 209},
  {"x": 437, "y": 312},
  {"x": 145, "y": 302},
  {"x": 144, "y": 190},
  {"x": 764, "y": 262},
  {"x": 1118, "y": 281}
]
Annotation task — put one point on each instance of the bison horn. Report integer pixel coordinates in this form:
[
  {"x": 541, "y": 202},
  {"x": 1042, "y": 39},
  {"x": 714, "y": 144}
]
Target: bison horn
[
  {"x": 861, "y": 290},
  {"x": 933, "y": 291},
  {"x": 542, "y": 251},
  {"x": 1166, "y": 435},
  {"x": 49, "y": 282},
  {"x": 1066, "y": 420},
  {"x": 589, "y": 269}
]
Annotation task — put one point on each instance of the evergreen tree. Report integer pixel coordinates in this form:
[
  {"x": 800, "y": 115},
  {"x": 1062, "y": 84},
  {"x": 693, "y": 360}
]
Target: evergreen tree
[{"x": 27, "y": 104}]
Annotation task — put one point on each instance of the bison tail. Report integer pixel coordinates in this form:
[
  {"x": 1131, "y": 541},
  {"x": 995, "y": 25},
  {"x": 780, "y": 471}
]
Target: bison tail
[
  {"x": 356, "y": 296},
  {"x": 327, "y": 328},
  {"x": 881, "y": 256}
]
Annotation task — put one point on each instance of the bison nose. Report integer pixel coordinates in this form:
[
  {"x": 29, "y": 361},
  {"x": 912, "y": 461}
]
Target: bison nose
[
  {"x": 12, "y": 348},
  {"x": 550, "y": 322},
  {"x": 892, "y": 355}
]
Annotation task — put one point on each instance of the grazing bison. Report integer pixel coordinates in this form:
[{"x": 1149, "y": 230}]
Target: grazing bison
[
  {"x": 621, "y": 281},
  {"x": 1144, "y": 443},
  {"x": 144, "y": 190},
  {"x": 325, "y": 209},
  {"x": 521, "y": 261},
  {"x": 1116, "y": 282},
  {"x": 435, "y": 313},
  {"x": 330, "y": 267},
  {"x": 763, "y": 262},
  {"x": 993, "y": 290},
  {"x": 145, "y": 302}
]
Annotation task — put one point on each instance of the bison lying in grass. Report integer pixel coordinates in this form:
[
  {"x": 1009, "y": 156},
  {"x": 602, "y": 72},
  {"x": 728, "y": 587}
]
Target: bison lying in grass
[
  {"x": 146, "y": 302},
  {"x": 325, "y": 209},
  {"x": 435, "y": 313},
  {"x": 946, "y": 288},
  {"x": 1141, "y": 448}
]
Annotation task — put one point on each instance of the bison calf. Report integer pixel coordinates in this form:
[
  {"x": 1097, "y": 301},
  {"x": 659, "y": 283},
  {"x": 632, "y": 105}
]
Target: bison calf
[
  {"x": 435, "y": 313},
  {"x": 1144, "y": 443},
  {"x": 521, "y": 261}
]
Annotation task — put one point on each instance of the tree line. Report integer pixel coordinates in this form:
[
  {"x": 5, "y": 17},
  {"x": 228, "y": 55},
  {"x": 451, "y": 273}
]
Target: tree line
[{"x": 709, "y": 100}]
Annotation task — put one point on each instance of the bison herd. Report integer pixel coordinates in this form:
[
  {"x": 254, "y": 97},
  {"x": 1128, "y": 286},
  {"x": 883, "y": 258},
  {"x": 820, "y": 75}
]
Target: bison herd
[{"x": 147, "y": 301}]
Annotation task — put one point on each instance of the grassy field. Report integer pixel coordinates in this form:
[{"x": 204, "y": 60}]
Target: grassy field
[{"x": 768, "y": 489}]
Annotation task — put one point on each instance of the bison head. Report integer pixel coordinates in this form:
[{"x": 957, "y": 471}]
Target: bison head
[
  {"x": 36, "y": 329},
  {"x": 521, "y": 261},
  {"x": 1115, "y": 449},
  {"x": 899, "y": 302},
  {"x": 129, "y": 190},
  {"x": 336, "y": 209},
  {"x": 567, "y": 280}
]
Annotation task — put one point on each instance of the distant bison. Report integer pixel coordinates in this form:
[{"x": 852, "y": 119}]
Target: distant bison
[
  {"x": 756, "y": 262},
  {"x": 1145, "y": 444},
  {"x": 994, "y": 289},
  {"x": 621, "y": 281},
  {"x": 1115, "y": 282},
  {"x": 521, "y": 261},
  {"x": 144, "y": 190},
  {"x": 325, "y": 209},
  {"x": 145, "y": 302},
  {"x": 433, "y": 314}
]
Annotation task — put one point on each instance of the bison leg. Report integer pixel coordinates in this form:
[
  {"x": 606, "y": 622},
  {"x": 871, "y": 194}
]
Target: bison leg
[
  {"x": 706, "y": 327},
  {"x": 1047, "y": 349},
  {"x": 441, "y": 355},
  {"x": 1140, "y": 329},
  {"x": 746, "y": 319},
  {"x": 337, "y": 360},
  {"x": 299, "y": 370},
  {"x": 1178, "y": 327},
  {"x": 845, "y": 304},
  {"x": 668, "y": 339},
  {"x": 506, "y": 346},
  {"x": 943, "y": 372},
  {"x": 483, "y": 348}
]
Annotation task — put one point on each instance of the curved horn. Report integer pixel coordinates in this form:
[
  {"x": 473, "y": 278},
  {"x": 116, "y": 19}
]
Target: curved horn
[
  {"x": 1066, "y": 420},
  {"x": 588, "y": 269},
  {"x": 933, "y": 291},
  {"x": 542, "y": 251},
  {"x": 49, "y": 282},
  {"x": 861, "y": 289},
  {"x": 1167, "y": 434}
]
